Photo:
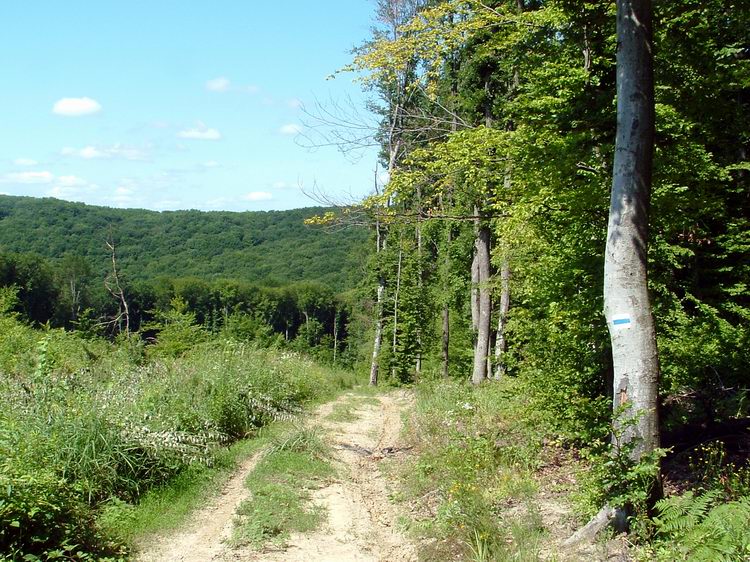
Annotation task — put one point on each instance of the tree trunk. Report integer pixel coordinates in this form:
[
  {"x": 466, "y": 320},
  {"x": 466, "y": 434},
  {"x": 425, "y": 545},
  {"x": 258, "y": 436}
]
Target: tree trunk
[
  {"x": 112, "y": 284},
  {"x": 626, "y": 300},
  {"x": 335, "y": 334},
  {"x": 420, "y": 284},
  {"x": 482, "y": 347},
  {"x": 502, "y": 318},
  {"x": 378, "y": 335},
  {"x": 446, "y": 307},
  {"x": 395, "y": 307}
]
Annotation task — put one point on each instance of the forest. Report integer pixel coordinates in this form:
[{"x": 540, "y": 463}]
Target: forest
[
  {"x": 265, "y": 248},
  {"x": 557, "y": 268}
]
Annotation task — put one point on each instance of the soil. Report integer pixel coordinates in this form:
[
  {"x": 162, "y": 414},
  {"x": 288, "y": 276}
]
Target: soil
[{"x": 361, "y": 523}]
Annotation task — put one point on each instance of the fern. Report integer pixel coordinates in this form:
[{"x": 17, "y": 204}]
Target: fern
[
  {"x": 680, "y": 514},
  {"x": 698, "y": 528}
]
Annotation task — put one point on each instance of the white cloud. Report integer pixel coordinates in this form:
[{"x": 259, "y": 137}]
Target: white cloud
[
  {"x": 290, "y": 129},
  {"x": 200, "y": 132},
  {"x": 88, "y": 152},
  {"x": 220, "y": 84},
  {"x": 125, "y": 193},
  {"x": 223, "y": 84},
  {"x": 67, "y": 187},
  {"x": 216, "y": 203},
  {"x": 295, "y": 103},
  {"x": 25, "y": 162},
  {"x": 71, "y": 181},
  {"x": 71, "y": 188},
  {"x": 165, "y": 204},
  {"x": 114, "y": 151},
  {"x": 211, "y": 164},
  {"x": 258, "y": 196},
  {"x": 28, "y": 177},
  {"x": 75, "y": 107}
]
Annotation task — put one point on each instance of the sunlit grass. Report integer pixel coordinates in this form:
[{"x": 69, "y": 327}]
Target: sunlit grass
[{"x": 295, "y": 464}]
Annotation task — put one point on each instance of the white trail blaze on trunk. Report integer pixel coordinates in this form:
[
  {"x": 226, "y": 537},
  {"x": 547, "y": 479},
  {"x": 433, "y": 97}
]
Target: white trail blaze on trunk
[{"x": 626, "y": 301}]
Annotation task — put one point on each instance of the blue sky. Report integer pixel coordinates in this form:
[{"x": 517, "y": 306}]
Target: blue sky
[{"x": 165, "y": 104}]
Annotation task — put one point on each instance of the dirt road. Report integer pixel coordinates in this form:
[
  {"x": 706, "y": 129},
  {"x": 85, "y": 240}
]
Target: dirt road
[{"x": 361, "y": 522}]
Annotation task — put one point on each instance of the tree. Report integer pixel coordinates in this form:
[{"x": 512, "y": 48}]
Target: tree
[
  {"x": 121, "y": 322},
  {"x": 627, "y": 306},
  {"x": 73, "y": 275}
]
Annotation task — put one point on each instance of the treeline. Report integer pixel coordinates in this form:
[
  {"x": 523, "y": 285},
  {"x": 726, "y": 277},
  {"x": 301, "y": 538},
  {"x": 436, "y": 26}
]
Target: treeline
[
  {"x": 498, "y": 132},
  {"x": 498, "y": 127},
  {"x": 269, "y": 248},
  {"x": 67, "y": 293}
]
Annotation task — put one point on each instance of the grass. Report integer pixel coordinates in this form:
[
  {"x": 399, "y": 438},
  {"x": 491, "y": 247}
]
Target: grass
[
  {"x": 102, "y": 438},
  {"x": 473, "y": 474},
  {"x": 166, "y": 507},
  {"x": 344, "y": 411},
  {"x": 281, "y": 484}
]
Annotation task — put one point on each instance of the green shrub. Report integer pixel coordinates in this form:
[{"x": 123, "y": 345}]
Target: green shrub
[
  {"x": 476, "y": 450},
  {"x": 42, "y": 517},
  {"x": 108, "y": 427}
]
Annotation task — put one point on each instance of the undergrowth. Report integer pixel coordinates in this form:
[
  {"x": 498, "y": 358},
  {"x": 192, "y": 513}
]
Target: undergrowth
[
  {"x": 88, "y": 427},
  {"x": 477, "y": 450}
]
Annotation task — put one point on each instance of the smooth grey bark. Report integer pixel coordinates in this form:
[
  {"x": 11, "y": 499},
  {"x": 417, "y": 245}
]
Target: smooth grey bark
[
  {"x": 627, "y": 306},
  {"x": 395, "y": 305},
  {"x": 420, "y": 275},
  {"x": 501, "y": 345},
  {"x": 378, "y": 339},
  {"x": 475, "y": 293},
  {"x": 374, "y": 364},
  {"x": 335, "y": 334},
  {"x": 482, "y": 346}
]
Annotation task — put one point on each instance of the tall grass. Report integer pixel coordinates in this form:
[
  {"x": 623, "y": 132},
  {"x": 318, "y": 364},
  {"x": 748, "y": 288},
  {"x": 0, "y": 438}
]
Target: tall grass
[
  {"x": 85, "y": 423},
  {"x": 476, "y": 451}
]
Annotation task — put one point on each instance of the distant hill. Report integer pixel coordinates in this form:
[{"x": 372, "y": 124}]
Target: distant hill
[{"x": 270, "y": 247}]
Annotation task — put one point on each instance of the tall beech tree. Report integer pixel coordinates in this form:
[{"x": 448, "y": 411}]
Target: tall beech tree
[{"x": 627, "y": 307}]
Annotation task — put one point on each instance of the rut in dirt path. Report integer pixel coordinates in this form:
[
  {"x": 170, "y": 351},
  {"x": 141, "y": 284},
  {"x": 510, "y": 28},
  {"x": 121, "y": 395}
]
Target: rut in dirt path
[
  {"x": 204, "y": 537},
  {"x": 361, "y": 524}
]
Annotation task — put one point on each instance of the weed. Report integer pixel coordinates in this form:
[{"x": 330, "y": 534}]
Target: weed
[
  {"x": 476, "y": 450},
  {"x": 105, "y": 435},
  {"x": 280, "y": 485}
]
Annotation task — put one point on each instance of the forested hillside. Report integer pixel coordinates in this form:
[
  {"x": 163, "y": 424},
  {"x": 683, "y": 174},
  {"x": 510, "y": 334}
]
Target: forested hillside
[{"x": 272, "y": 247}]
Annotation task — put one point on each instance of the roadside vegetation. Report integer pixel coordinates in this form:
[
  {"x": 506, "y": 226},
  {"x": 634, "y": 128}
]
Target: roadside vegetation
[
  {"x": 505, "y": 219},
  {"x": 90, "y": 427},
  {"x": 492, "y": 478}
]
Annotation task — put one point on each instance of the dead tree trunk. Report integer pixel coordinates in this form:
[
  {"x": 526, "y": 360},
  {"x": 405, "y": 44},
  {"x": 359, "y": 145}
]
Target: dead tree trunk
[{"x": 112, "y": 284}]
